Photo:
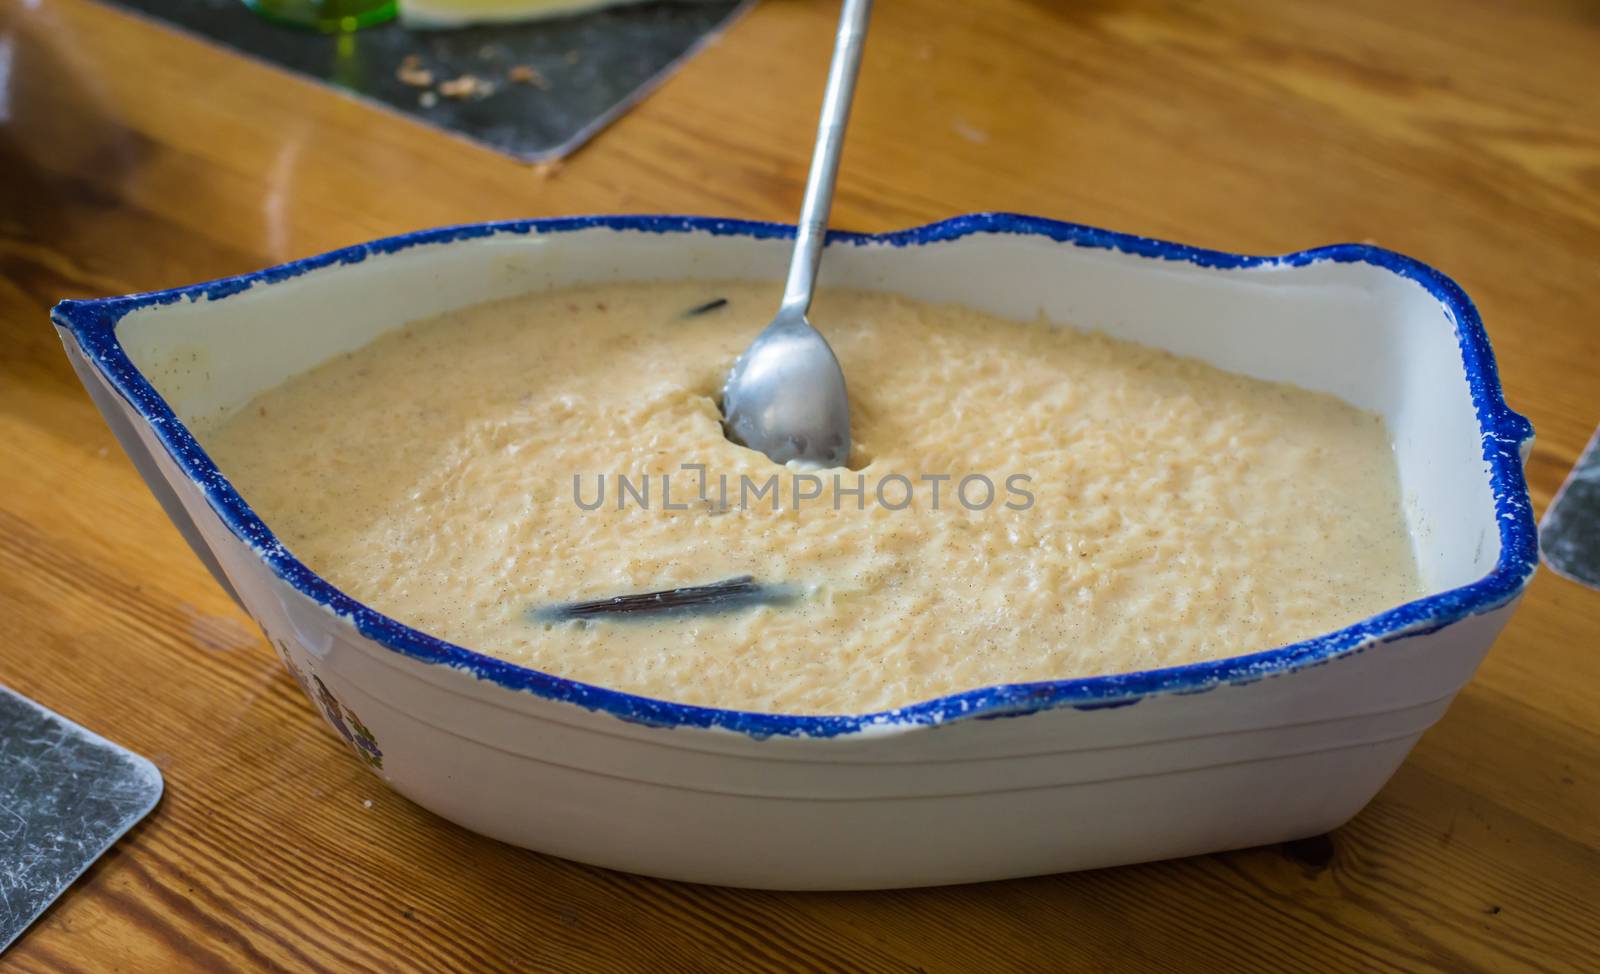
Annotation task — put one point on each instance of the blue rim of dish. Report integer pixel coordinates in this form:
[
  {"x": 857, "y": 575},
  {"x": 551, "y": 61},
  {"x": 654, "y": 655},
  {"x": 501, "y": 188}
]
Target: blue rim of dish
[{"x": 93, "y": 325}]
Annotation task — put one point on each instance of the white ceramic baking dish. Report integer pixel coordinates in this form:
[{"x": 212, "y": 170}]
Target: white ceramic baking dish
[{"x": 1271, "y": 744}]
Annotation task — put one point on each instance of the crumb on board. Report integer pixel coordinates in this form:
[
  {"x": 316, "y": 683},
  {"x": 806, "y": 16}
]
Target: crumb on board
[
  {"x": 411, "y": 72},
  {"x": 466, "y": 86},
  {"x": 367, "y": 803},
  {"x": 527, "y": 74},
  {"x": 544, "y": 170},
  {"x": 419, "y": 78}
]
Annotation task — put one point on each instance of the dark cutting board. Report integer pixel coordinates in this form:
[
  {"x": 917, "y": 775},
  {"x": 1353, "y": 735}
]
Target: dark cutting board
[
  {"x": 66, "y": 795},
  {"x": 593, "y": 66},
  {"x": 1569, "y": 538}
]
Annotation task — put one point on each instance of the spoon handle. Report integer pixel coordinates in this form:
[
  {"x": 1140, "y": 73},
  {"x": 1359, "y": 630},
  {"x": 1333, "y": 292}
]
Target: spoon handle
[{"x": 813, "y": 227}]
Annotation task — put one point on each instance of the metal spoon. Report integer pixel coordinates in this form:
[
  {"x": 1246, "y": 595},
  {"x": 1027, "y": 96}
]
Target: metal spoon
[{"x": 785, "y": 395}]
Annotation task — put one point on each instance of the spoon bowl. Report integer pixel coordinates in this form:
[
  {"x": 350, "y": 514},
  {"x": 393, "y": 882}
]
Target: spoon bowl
[{"x": 785, "y": 396}]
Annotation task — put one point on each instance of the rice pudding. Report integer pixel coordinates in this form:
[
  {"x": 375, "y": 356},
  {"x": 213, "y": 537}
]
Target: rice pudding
[{"x": 467, "y": 473}]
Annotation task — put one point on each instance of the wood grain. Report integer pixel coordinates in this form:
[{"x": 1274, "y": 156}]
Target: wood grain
[{"x": 1464, "y": 132}]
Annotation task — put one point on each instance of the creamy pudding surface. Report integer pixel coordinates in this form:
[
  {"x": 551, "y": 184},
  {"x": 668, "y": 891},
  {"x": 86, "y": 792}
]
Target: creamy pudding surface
[{"x": 1146, "y": 510}]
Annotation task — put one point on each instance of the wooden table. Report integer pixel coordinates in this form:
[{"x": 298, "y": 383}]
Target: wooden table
[{"x": 1465, "y": 133}]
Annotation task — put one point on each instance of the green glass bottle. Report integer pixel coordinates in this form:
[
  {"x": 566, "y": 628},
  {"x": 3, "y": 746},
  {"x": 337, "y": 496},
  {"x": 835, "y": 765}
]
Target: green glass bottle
[{"x": 327, "y": 16}]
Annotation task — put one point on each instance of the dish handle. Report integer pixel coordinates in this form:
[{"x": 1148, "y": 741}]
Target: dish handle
[{"x": 114, "y": 410}]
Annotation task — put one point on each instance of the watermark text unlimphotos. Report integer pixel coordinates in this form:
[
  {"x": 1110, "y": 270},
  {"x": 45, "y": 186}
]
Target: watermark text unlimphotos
[{"x": 696, "y": 488}]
